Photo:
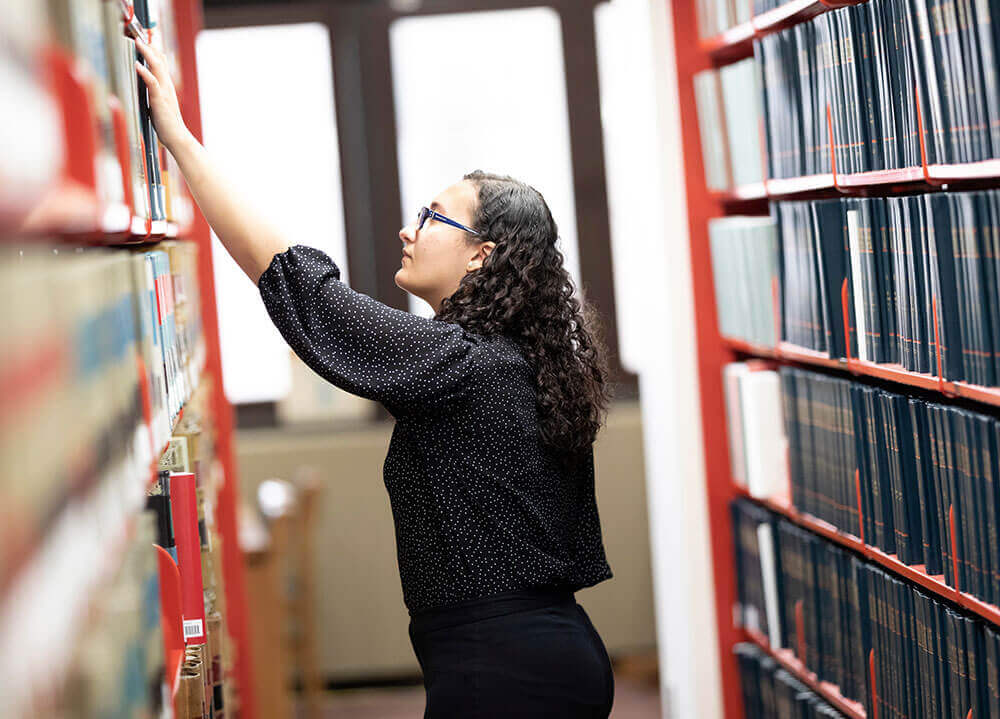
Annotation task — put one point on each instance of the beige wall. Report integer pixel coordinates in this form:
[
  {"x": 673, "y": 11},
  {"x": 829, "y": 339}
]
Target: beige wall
[{"x": 362, "y": 619}]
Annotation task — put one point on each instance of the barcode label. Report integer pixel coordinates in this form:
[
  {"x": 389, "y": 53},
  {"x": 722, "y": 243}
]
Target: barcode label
[{"x": 193, "y": 628}]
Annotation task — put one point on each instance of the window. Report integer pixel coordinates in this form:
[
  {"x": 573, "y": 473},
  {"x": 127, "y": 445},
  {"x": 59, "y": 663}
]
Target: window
[
  {"x": 497, "y": 111},
  {"x": 268, "y": 118}
]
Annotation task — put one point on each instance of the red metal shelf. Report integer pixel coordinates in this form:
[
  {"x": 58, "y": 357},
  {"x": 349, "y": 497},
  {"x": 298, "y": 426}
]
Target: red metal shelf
[
  {"x": 731, "y": 45},
  {"x": 803, "y": 187},
  {"x": 736, "y": 43},
  {"x": 890, "y": 373},
  {"x": 790, "y": 663},
  {"x": 859, "y": 180},
  {"x": 985, "y": 170},
  {"x": 792, "y": 186},
  {"x": 915, "y": 573},
  {"x": 743, "y": 193},
  {"x": 791, "y": 13}
]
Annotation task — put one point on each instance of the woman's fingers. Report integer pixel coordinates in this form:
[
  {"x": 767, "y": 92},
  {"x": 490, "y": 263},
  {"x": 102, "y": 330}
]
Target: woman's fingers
[
  {"x": 152, "y": 56},
  {"x": 163, "y": 105},
  {"x": 148, "y": 77}
]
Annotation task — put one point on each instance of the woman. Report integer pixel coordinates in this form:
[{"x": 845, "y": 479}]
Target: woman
[{"x": 497, "y": 401}]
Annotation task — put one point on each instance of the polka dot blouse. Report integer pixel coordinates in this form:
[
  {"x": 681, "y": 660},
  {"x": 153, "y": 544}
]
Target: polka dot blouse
[{"x": 479, "y": 507}]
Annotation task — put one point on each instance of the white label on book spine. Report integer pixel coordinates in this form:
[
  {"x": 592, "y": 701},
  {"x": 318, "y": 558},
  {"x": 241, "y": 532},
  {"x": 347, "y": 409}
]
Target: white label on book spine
[
  {"x": 193, "y": 628},
  {"x": 858, "y": 290}
]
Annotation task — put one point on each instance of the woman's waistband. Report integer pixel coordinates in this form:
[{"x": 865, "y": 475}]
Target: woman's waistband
[{"x": 471, "y": 610}]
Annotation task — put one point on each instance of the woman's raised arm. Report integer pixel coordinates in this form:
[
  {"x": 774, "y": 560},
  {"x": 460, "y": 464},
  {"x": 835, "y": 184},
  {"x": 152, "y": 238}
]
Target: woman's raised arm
[{"x": 246, "y": 235}]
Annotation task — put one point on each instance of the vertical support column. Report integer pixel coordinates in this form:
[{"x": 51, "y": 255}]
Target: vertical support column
[
  {"x": 589, "y": 179},
  {"x": 711, "y": 354},
  {"x": 189, "y": 22},
  {"x": 366, "y": 118}
]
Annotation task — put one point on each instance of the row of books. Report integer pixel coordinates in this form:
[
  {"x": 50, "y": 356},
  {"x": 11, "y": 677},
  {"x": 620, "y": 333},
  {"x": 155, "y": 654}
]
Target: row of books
[
  {"x": 898, "y": 83},
  {"x": 835, "y": 611},
  {"x": 133, "y": 175},
  {"x": 899, "y": 77},
  {"x": 915, "y": 464},
  {"x": 118, "y": 666},
  {"x": 728, "y": 101},
  {"x": 91, "y": 613},
  {"x": 758, "y": 448},
  {"x": 105, "y": 335},
  {"x": 717, "y": 16},
  {"x": 182, "y": 499},
  {"x": 922, "y": 274},
  {"x": 917, "y": 461},
  {"x": 745, "y": 266},
  {"x": 770, "y": 691}
]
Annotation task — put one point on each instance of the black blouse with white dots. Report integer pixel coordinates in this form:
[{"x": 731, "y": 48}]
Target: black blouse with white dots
[{"x": 479, "y": 506}]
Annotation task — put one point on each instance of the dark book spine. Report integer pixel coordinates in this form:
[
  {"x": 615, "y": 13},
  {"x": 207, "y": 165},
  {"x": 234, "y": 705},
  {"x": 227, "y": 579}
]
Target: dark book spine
[
  {"x": 866, "y": 65},
  {"x": 895, "y": 52},
  {"x": 811, "y": 603},
  {"x": 942, "y": 675},
  {"x": 927, "y": 282},
  {"x": 991, "y": 642},
  {"x": 944, "y": 486},
  {"x": 953, "y": 647},
  {"x": 992, "y": 441},
  {"x": 964, "y": 510},
  {"x": 988, "y": 250},
  {"x": 914, "y": 679},
  {"x": 157, "y": 201},
  {"x": 985, "y": 13},
  {"x": 926, "y": 655},
  {"x": 861, "y": 528},
  {"x": 887, "y": 283},
  {"x": 910, "y": 480},
  {"x": 974, "y": 660},
  {"x": 850, "y": 461},
  {"x": 922, "y": 53},
  {"x": 941, "y": 240},
  {"x": 972, "y": 78},
  {"x": 977, "y": 492},
  {"x": 897, "y": 244},
  {"x": 925, "y": 553},
  {"x": 954, "y": 499}
]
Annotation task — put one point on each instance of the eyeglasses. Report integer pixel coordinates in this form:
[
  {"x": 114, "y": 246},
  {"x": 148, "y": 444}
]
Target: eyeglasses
[{"x": 428, "y": 214}]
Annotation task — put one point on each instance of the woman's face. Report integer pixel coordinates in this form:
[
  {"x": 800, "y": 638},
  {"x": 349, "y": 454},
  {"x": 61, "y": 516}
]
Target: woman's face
[{"x": 436, "y": 257}]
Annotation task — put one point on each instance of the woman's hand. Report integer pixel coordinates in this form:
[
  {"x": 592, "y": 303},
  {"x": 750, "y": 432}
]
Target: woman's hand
[
  {"x": 247, "y": 236},
  {"x": 163, "y": 105}
]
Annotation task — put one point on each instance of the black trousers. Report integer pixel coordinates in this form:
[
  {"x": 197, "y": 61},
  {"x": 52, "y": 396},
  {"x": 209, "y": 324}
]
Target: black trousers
[{"x": 517, "y": 655}]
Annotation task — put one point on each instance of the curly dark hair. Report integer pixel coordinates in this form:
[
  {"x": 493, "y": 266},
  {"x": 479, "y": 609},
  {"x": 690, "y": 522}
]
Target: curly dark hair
[{"x": 523, "y": 292}]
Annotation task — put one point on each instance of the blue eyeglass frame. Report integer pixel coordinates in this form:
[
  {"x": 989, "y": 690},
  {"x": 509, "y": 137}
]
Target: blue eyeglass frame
[{"x": 427, "y": 213}]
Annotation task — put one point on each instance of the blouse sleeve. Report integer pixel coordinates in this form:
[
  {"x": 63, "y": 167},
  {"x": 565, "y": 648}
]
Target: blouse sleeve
[{"x": 406, "y": 362}]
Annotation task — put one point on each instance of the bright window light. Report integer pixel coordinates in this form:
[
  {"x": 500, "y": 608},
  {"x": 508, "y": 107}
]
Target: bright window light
[
  {"x": 268, "y": 118},
  {"x": 497, "y": 110}
]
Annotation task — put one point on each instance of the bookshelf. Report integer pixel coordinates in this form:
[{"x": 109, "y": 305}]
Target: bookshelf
[
  {"x": 912, "y": 573},
  {"x": 735, "y": 43},
  {"x": 789, "y": 662},
  {"x": 715, "y": 349},
  {"x": 65, "y": 205}
]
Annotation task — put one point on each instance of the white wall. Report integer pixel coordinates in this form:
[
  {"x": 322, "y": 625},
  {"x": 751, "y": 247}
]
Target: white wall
[{"x": 656, "y": 326}]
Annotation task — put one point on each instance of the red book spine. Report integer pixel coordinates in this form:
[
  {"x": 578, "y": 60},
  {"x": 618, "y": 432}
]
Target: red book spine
[{"x": 183, "y": 505}]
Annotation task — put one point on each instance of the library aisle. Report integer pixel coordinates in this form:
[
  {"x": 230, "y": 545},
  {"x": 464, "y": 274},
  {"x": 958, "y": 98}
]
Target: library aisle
[{"x": 784, "y": 216}]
